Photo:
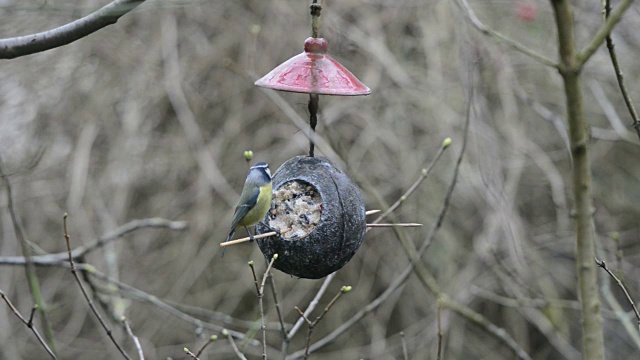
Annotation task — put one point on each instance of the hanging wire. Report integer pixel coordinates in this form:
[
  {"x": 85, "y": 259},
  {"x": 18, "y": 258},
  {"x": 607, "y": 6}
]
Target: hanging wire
[{"x": 314, "y": 99}]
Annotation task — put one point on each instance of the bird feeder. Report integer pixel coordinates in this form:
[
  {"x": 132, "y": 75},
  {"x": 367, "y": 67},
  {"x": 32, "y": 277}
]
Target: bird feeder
[
  {"x": 317, "y": 209},
  {"x": 320, "y": 215}
]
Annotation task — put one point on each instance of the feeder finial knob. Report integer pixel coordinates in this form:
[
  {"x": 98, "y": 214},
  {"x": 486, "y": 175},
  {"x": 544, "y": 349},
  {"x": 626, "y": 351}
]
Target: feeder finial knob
[{"x": 315, "y": 45}]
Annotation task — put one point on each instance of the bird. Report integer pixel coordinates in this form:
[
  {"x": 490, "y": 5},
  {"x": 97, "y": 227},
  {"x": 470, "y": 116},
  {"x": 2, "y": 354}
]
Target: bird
[{"x": 255, "y": 199}]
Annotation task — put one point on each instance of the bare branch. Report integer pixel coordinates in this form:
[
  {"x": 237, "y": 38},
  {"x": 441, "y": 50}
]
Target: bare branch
[
  {"x": 260, "y": 297},
  {"x": 274, "y": 291},
  {"x": 423, "y": 176},
  {"x": 212, "y": 339},
  {"x": 405, "y": 352},
  {"x": 616, "y": 68},
  {"x": 86, "y": 295},
  {"x": 29, "y": 323},
  {"x": 570, "y": 64},
  {"x": 137, "y": 294},
  {"x": 601, "y": 35},
  {"x": 312, "y": 324},
  {"x": 32, "y": 277},
  {"x": 471, "y": 15},
  {"x": 439, "y": 353},
  {"x": 117, "y": 233},
  {"x": 239, "y": 354},
  {"x": 135, "y": 339},
  {"x": 191, "y": 355},
  {"x": 312, "y": 305},
  {"x": 604, "y": 266},
  {"x": 12, "y": 48}
]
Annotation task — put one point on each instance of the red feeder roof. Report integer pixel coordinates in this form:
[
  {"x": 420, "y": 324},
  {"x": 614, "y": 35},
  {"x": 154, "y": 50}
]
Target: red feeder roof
[{"x": 314, "y": 72}]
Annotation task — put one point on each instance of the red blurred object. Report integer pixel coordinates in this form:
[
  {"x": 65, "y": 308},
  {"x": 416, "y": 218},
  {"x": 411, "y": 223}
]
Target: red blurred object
[
  {"x": 314, "y": 72},
  {"x": 527, "y": 10}
]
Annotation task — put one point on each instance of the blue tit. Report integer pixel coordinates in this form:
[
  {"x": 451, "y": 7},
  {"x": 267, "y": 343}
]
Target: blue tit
[{"x": 255, "y": 199}]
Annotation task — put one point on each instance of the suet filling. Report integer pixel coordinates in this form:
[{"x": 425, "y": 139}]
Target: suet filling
[{"x": 296, "y": 209}]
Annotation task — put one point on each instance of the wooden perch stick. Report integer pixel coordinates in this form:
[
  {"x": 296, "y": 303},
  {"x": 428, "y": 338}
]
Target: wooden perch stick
[
  {"x": 392, "y": 225},
  {"x": 256, "y": 237},
  {"x": 271, "y": 233}
]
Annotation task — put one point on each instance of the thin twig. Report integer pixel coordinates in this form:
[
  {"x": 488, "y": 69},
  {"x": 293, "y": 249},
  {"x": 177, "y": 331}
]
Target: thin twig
[
  {"x": 471, "y": 15},
  {"x": 616, "y": 68},
  {"x": 81, "y": 251},
  {"x": 212, "y": 339},
  {"x": 312, "y": 324},
  {"x": 610, "y": 111},
  {"x": 405, "y": 352},
  {"x": 620, "y": 314},
  {"x": 439, "y": 353},
  {"x": 274, "y": 291},
  {"x": 255, "y": 277},
  {"x": 135, "y": 339},
  {"x": 600, "y": 36},
  {"x": 11, "y": 48},
  {"x": 604, "y": 266},
  {"x": 33, "y": 312},
  {"x": 234, "y": 346},
  {"x": 423, "y": 176},
  {"x": 29, "y": 323},
  {"x": 137, "y": 294},
  {"x": 32, "y": 278},
  {"x": 84, "y": 291},
  {"x": 312, "y": 305},
  {"x": 211, "y": 315},
  {"x": 261, "y": 304},
  {"x": 191, "y": 355},
  {"x": 487, "y": 325}
]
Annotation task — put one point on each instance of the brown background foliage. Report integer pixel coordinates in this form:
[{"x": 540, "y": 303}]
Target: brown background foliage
[{"x": 113, "y": 145}]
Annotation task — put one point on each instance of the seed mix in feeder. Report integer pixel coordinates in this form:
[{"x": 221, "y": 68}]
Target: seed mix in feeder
[{"x": 295, "y": 210}]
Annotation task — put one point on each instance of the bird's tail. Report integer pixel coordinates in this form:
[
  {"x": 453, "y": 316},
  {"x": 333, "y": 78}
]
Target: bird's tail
[{"x": 228, "y": 239}]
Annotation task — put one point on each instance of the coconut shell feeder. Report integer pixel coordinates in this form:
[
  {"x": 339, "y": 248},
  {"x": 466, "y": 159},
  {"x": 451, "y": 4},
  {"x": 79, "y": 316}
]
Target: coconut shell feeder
[{"x": 320, "y": 215}]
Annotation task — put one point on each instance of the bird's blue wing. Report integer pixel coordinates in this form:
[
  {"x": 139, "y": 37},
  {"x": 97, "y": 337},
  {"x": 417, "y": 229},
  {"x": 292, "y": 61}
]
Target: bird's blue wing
[{"x": 247, "y": 201}]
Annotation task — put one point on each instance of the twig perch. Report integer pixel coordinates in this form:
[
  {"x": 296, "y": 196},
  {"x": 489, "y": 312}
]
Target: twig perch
[
  {"x": 272, "y": 233},
  {"x": 392, "y": 225},
  {"x": 245, "y": 239}
]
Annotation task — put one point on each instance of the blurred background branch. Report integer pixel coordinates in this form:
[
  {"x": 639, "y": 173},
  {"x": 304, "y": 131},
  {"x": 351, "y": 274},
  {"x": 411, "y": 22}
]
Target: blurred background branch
[{"x": 11, "y": 48}]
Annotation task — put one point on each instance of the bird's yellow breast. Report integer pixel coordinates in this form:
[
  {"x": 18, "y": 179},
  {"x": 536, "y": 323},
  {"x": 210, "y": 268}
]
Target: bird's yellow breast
[{"x": 260, "y": 209}]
